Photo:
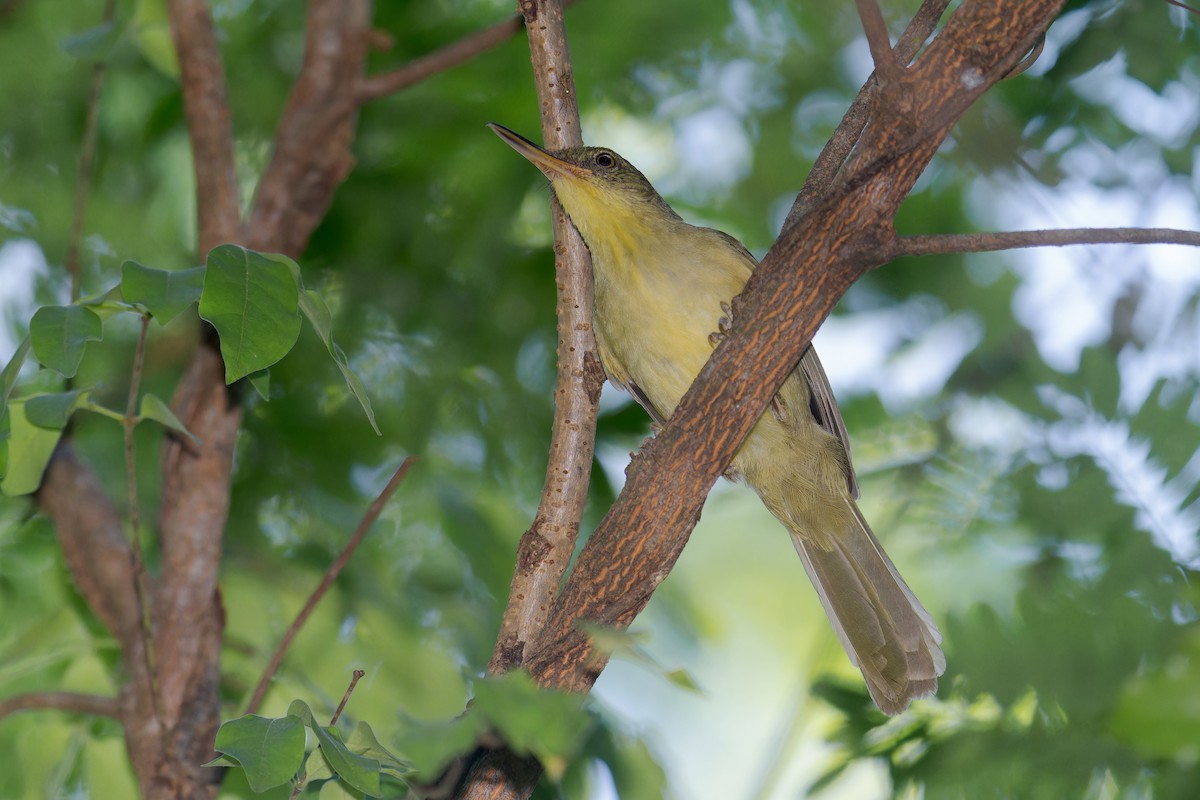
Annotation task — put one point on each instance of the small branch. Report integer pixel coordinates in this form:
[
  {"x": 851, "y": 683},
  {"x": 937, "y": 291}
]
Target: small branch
[
  {"x": 87, "y": 160},
  {"x": 335, "y": 569},
  {"x": 206, "y": 105},
  {"x": 356, "y": 676},
  {"x": 451, "y": 55},
  {"x": 825, "y": 169},
  {"x": 1010, "y": 240},
  {"x": 887, "y": 66},
  {"x": 75, "y": 702},
  {"x": 129, "y": 421},
  {"x": 137, "y": 564},
  {"x": 1184, "y": 6},
  {"x": 546, "y": 548}
]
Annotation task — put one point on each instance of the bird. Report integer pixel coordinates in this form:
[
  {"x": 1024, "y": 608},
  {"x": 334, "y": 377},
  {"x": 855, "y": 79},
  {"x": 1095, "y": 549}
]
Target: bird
[{"x": 663, "y": 296}]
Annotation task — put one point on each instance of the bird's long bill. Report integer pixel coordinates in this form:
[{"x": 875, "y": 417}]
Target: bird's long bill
[{"x": 537, "y": 155}]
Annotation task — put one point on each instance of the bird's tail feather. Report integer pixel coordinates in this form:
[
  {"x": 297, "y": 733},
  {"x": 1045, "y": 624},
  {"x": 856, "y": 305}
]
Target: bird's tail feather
[{"x": 882, "y": 625}]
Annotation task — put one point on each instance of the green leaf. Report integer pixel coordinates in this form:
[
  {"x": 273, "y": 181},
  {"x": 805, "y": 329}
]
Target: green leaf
[
  {"x": 93, "y": 44},
  {"x": 270, "y": 750},
  {"x": 261, "y": 381},
  {"x": 360, "y": 772},
  {"x": 252, "y": 300},
  {"x": 314, "y": 307},
  {"x": 29, "y": 450},
  {"x": 8, "y": 377},
  {"x": 364, "y": 742},
  {"x": 164, "y": 293},
  {"x": 154, "y": 408},
  {"x": 59, "y": 335},
  {"x": 54, "y": 410}
]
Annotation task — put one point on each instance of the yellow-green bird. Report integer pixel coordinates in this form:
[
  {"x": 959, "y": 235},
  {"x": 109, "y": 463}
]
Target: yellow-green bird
[{"x": 663, "y": 294}]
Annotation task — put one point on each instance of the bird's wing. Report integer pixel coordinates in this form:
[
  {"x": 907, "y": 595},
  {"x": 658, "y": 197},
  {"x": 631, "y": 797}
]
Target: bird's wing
[
  {"x": 825, "y": 409},
  {"x": 824, "y": 405},
  {"x": 645, "y": 403}
]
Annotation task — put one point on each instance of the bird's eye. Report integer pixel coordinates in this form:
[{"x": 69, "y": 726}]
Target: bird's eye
[{"x": 605, "y": 160}]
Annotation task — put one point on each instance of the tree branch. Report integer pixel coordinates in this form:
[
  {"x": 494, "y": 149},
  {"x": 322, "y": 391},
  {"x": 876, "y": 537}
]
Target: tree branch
[
  {"x": 1010, "y": 240},
  {"x": 92, "y": 538},
  {"x": 546, "y": 548},
  {"x": 820, "y": 180},
  {"x": 312, "y": 142},
  {"x": 206, "y": 105},
  {"x": 447, "y": 57},
  {"x": 887, "y": 64},
  {"x": 75, "y": 702},
  {"x": 335, "y": 569}
]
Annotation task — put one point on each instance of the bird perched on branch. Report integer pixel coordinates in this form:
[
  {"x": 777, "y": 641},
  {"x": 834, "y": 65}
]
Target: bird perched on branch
[{"x": 663, "y": 294}]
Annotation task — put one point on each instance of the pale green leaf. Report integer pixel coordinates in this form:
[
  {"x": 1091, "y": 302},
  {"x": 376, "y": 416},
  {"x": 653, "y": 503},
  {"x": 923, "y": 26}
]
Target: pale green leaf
[
  {"x": 270, "y": 750},
  {"x": 59, "y": 335},
  {"x": 315, "y": 308},
  {"x": 164, "y": 293},
  {"x": 152, "y": 407},
  {"x": 29, "y": 450},
  {"x": 54, "y": 410}
]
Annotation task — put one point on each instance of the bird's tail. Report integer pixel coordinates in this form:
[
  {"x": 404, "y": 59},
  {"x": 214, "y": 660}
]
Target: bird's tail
[{"x": 886, "y": 631}]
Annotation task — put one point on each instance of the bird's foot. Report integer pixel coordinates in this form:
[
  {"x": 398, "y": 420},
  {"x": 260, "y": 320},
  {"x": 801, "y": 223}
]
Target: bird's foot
[{"x": 724, "y": 322}]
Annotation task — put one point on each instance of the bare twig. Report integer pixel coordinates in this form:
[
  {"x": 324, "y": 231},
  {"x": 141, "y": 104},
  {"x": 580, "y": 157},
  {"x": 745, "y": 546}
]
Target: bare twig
[
  {"x": 93, "y": 704},
  {"x": 887, "y": 65},
  {"x": 355, "y": 677},
  {"x": 545, "y": 549},
  {"x": 450, "y": 56},
  {"x": 87, "y": 159},
  {"x": 1010, "y": 240},
  {"x": 335, "y": 569},
  {"x": 1184, "y": 6}
]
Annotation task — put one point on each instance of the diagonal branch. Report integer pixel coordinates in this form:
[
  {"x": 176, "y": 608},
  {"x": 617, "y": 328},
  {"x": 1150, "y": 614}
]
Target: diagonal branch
[
  {"x": 91, "y": 534},
  {"x": 452, "y": 55},
  {"x": 820, "y": 180},
  {"x": 331, "y": 574},
  {"x": 1010, "y": 240}
]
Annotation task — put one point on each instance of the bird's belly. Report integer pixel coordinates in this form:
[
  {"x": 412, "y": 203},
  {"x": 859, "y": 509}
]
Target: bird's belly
[{"x": 657, "y": 338}]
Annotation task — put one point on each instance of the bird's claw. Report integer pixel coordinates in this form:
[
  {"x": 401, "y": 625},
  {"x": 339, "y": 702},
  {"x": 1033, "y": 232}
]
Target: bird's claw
[{"x": 724, "y": 323}]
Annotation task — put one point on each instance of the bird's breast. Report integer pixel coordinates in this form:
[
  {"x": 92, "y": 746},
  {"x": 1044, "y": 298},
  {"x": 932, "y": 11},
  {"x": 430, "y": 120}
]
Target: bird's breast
[{"x": 654, "y": 315}]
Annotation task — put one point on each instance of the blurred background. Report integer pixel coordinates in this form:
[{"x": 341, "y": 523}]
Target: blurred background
[{"x": 1025, "y": 425}]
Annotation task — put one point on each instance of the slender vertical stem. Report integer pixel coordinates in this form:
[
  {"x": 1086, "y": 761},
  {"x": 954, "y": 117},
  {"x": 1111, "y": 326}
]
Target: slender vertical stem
[{"x": 141, "y": 590}]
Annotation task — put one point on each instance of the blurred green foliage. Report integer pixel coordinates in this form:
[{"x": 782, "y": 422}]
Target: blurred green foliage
[{"x": 1044, "y": 505}]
